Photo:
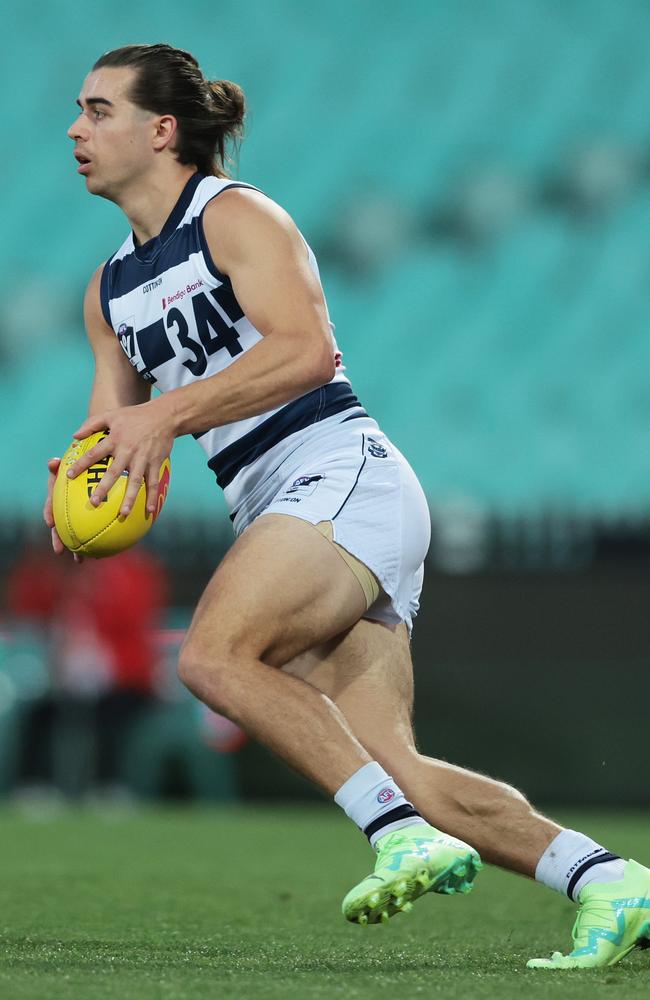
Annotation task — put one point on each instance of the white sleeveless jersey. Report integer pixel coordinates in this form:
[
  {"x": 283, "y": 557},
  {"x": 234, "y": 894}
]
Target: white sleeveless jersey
[{"x": 177, "y": 319}]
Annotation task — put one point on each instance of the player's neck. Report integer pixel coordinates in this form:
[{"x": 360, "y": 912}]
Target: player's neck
[{"x": 149, "y": 205}]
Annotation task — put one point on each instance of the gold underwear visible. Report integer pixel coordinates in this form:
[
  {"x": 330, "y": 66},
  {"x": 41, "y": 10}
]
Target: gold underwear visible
[{"x": 368, "y": 581}]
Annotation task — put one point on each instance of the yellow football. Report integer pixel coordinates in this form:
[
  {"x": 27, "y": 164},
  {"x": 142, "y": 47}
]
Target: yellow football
[{"x": 100, "y": 531}]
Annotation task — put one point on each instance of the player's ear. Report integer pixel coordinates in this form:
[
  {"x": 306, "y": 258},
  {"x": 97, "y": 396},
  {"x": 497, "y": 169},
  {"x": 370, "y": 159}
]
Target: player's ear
[{"x": 165, "y": 132}]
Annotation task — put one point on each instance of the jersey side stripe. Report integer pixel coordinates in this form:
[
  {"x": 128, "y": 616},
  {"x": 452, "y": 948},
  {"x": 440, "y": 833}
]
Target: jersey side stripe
[
  {"x": 104, "y": 292},
  {"x": 207, "y": 256},
  {"x": 335, "y": 397}
]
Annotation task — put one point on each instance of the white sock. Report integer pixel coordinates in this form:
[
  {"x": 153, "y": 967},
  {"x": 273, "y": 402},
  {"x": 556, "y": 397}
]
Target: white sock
[
  {"x": 571, "y": 861},
  {"x": 375, "y": 803}
]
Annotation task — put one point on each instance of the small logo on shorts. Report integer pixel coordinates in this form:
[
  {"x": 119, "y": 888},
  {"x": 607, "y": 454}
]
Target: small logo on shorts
[
  {"x": 376, "y": 449},
  {"x": 386, "y": 795},
  {"x": 304, "y": 484}
]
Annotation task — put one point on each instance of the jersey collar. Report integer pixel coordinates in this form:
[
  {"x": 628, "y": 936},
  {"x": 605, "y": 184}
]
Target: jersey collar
[{"x": 147, "y": 251}]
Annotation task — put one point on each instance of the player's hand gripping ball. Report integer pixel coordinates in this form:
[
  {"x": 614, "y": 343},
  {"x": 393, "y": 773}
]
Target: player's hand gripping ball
[{"x": 100, "y": 531}]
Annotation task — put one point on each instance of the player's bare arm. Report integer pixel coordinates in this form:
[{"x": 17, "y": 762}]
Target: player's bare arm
[
  {"x": 258, "y": 246},
  {"x": 115, "y": 383}
]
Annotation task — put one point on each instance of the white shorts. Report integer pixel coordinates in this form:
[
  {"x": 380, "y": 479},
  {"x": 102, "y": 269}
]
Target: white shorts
[{"x": 354, "y": 477}]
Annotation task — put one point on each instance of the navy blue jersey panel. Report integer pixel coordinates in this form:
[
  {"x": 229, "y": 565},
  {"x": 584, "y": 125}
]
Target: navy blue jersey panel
[
  {"x": 154, "y": 345},
  {"x": 309, "y": 409},
  {"x": 130, "y": 272},
  {"x": 225, "y": 297},
  {"x": 146, "y": 252}
]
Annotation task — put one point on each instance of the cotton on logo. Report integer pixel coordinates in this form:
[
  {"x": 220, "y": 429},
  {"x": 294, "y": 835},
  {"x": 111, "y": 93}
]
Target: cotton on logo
[{"x": 385, "y": 795}]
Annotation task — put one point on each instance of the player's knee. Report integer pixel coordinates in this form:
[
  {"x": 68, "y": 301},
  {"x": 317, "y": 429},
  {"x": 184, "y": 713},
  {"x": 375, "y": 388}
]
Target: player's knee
[
  {"x": 204, "y": 673},
  {"x": 190, "y": 669}
]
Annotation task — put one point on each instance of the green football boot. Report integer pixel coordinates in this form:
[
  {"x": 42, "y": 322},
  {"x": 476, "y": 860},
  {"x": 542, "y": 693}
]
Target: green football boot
[
  {"x": 613, "y": 918},
  {"x": 410, "y": 862}
]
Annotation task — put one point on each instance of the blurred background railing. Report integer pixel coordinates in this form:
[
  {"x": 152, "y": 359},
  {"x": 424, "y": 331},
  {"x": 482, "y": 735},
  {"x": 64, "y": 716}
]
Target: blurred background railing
[{"x": 475, "y": 180}]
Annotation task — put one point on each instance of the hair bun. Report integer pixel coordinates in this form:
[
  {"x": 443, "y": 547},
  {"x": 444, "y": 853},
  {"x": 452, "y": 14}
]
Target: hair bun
[{"x": 230, "y": 103}]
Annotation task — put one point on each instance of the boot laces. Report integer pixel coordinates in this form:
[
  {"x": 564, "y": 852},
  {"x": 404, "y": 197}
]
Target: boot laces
[{"x": 592, "y": 914}]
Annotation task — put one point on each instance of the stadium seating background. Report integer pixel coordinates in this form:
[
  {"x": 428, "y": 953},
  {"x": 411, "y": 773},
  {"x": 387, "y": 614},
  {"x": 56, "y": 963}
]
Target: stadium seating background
[{"x": 475, "y": 178}]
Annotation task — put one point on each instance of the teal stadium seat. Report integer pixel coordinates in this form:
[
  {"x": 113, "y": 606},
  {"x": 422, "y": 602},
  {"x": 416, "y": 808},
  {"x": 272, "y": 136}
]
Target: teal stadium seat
[{"x": 514, "y": 372}]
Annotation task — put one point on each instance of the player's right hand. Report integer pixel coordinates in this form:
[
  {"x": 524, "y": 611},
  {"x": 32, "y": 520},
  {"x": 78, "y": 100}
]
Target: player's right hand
[{"x": 48, "y": 515}]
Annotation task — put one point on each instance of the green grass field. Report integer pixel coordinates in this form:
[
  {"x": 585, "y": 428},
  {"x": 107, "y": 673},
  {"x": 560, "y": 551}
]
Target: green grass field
[{"x": 245, "y": 903}]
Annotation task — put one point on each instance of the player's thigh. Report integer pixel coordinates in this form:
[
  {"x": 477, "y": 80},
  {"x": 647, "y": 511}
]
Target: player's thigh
[
  {"x": 368, "y": 673},
  {"x": 281, "y": 589}
]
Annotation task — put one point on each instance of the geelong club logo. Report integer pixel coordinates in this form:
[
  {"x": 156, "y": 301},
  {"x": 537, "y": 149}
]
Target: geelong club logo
[{"x": 376, "y": 449}]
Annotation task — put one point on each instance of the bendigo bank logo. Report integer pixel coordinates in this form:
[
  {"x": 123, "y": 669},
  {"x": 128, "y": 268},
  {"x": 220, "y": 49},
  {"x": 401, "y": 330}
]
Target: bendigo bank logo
[{"x": 179, "y": 295}]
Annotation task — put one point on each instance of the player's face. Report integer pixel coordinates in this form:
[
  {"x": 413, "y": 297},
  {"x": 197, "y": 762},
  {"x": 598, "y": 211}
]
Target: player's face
[{"x": 112, "y": 136}]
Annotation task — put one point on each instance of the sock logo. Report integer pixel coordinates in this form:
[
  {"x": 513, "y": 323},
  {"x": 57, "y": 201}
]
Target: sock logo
[
  {"x": 581, "y": 861},
  {"x": 385, "y": 795}
]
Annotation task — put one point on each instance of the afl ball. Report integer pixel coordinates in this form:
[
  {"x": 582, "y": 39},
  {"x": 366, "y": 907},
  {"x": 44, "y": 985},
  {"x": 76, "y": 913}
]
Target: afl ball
[{"x": 102, "y": 530}]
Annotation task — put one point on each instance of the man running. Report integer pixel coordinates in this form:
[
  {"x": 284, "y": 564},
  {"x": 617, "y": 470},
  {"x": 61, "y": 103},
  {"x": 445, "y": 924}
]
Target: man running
[{"x": 302, "y": 635}]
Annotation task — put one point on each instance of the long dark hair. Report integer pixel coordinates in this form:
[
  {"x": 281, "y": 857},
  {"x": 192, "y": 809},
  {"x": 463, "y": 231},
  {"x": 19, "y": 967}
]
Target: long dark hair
[{"x": 168, "y": 81}]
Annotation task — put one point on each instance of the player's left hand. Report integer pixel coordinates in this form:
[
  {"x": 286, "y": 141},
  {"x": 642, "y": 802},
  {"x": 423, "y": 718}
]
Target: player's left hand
[{"x": 139, "y": 438}]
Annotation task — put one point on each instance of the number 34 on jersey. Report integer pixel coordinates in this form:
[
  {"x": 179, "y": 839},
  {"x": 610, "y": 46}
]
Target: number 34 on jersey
[{"x": 194, "y": 326}]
